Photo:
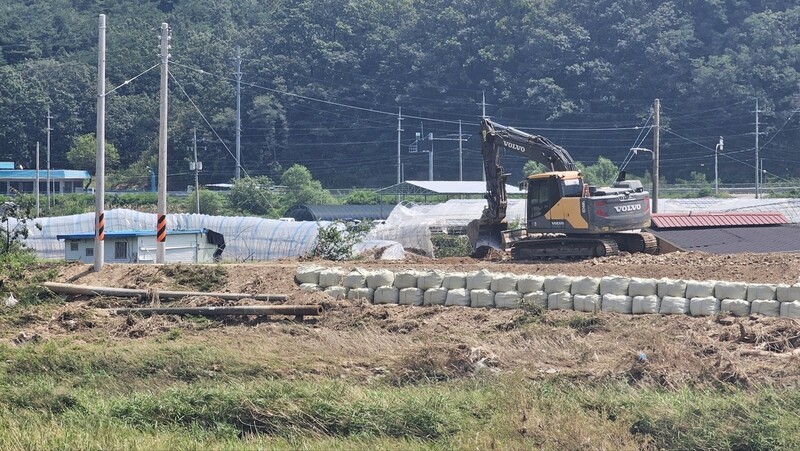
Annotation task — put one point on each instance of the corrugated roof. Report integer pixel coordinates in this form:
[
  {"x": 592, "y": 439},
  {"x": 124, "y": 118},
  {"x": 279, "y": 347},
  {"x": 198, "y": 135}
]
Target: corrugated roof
[
  {"x": 423, "y": 187},
  {"x": 686, "y": 220},
  {"x": 125, "y": 234},
  {"x": 337, "y": 212},
  {"x": 733, "y": 240}
]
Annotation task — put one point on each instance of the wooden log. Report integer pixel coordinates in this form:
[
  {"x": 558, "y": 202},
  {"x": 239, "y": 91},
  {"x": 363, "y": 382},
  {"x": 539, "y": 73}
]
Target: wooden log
[
  {"x": 88, "y": 290},
  {"x": 296, "y": 310}
]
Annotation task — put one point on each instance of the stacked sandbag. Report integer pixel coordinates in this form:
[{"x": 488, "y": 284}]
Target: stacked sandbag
[
  {"x": 331, "y": 277},
  {"x": 790, "y": 309},
  {"x": 360, "y": 293},
  {"x": 700, "y": 289},
  {"x": 508, "y": 299},
  {"x": 481, "y": 298},
  {"x": 310, "y": 287},
  {"x": 355, "y": 283},
  {"x": 645, "y": 304},
  {"x": 529, "y": 283},
  {"x": 430, "y": 279},
  {"x": 434, "y": 296},
  {"x": 336, "y": 292},
  {"x": 704, "y": 306},
  {"x": 617, "y": 303},
  {"x": 411, "y": 296},
  {"x": 762, "y": 298},
  {"x": 560, "y": 300},
  {"x": 585, "y": 294},
  {"x": 733, "y": 296},
  {"x": 616, "y": 285},
  {"x": 480, "y": 280},
  {"x": 642, "y": 287},
  {"x": 380, "y": 278},
  {"x": 557, "y": 284},
  {"x": 386, "y": 295},
  {"x": 535, "y": 299},
  {"x": 308, "y": 274},
  {"x": 673, "y": 305},
  {"x": 406, "y": 279},
  {"x": 458, "y": 296},
  {"x": 502, "y": 283},
  {"x": 455, "y": 281},
  {"x": 789, "y": 297}
]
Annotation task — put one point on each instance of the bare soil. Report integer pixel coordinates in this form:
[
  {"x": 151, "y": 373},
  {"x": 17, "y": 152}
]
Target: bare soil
[{"x": 404, "y": 344}]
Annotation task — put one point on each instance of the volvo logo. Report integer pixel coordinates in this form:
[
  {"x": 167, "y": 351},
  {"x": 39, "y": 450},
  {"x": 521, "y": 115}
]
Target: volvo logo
[
  {"x": 514, "y": 146},
  {"x": 631, "y": 207}
]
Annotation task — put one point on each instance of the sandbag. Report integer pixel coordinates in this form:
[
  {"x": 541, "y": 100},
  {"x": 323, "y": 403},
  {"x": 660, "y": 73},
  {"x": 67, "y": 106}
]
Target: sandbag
[
  {"x": 585, "y": 286},
  {"x": 765, "y": 307},
  {"x": 434, "y": 296},
  {"x": 338, "y": 292},
  {"x": 557, "y": 284},
  {"x": 674, "y": 305},
  {"x": 457, "y": 296},
  {"x": 534, "y": 299},
  {"x": 308, "y": 274},
  {"x": 310, "y": 287},
  {"x": 761, "y": 291},
  {"x": 699, "y": 289},
  {"x": 410, "y": 296},
  {"x": 430, "y": 279},
  {"x": 788, "y": 293},
  {"x": 704, "y": 306},
  {"x": 671, "y": 288},
  {"x": 508, "y": 299},
  {"x": 790, "y": 309},
  {"x": 561, "y": 300},
  {"x": 356, "y": 278},
  {"x": 730, "y": 290},
  {"x": 331, "y": 277},
  {"x": 360, "y": 293},
  {"x": 645, "y": 304},
  {"x": 455, "y": 281},
  {"x": 735, "y": 307},
  {"x": 386, "y": 295},
  {"x": 503, "y": 283},
  {"x": 529, "y": 283},
  {"x": 406, "y": 279},
  {"x": 614, "y": 285},
  {"x": 480, "y": 280},
  {"x": 481, "y": 298},
  {"x": 380, "y": 278},
  {"x": 586, "y": 302},
  {"x": 642, "y": 287},
  {"x": 617, "y": 303}
]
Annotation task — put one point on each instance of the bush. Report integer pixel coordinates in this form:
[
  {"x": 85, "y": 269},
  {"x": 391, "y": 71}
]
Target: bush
[{"x": 335, "y": 241}]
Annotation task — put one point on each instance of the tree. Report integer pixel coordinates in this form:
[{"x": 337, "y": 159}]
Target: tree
[
  {"x": 362, "y": 197},
  {"x": 254, "y": 195},
  {"x": 533, "y": 167},
  {"x": 602, "y": 173},
  {"x": 83, "y": 153},
  {"x": 301, "y": 188}
]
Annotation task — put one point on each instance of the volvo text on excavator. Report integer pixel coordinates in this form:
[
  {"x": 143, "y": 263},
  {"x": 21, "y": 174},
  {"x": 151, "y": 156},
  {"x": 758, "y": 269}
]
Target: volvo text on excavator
[{"x": 565, "y": 216}]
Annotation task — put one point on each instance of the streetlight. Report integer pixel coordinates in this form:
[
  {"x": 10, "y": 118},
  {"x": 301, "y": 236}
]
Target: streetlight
[
  {"x": 717, "y": 149},
  {"x": 654, "y": 175}
]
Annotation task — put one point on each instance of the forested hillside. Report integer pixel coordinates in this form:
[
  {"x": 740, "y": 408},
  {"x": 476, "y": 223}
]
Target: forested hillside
[{"x": 323, "y": 80}]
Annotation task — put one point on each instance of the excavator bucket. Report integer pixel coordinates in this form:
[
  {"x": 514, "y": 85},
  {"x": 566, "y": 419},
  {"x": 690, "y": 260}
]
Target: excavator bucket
[{"x": 484, "y": 237}]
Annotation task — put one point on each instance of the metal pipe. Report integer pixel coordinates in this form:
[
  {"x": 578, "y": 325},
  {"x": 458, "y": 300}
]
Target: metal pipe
[{"x": 296, "y": 310}]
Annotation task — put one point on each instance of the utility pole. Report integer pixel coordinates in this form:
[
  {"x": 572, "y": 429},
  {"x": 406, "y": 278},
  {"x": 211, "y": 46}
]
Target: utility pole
[
  {"x": 238, "y": 113},
  {"x": 460, "y": 154},
  {"x": 399, "y": 131},
  {"x": 758, "y": 171},
  {"x": 36, "y": 186},
  {"x": 100, "y": 155},
  {"x": 483, "y": 115},
  {"x": 196, "y": 166},
  {"x": 161, "y": 225},
  {"x": 656, "y": 141},
  {"x": 430, "y": 160},
  {"x": 48, "y": 158},
  {"x": 717, "y": 149}
]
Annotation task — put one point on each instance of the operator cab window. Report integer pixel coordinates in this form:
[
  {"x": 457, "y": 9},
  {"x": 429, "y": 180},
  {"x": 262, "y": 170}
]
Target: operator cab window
[
  {"x": 539, "y": 197},
  {"x": 572, "y": 188}
]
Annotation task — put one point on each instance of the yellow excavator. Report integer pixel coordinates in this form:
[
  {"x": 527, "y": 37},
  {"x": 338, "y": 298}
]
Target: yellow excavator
[{"x": 565, "y": 216}]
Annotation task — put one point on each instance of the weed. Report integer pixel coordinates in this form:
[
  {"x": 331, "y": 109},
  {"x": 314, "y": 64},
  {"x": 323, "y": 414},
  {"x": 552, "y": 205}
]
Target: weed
[{"x": 198, "y": 277}]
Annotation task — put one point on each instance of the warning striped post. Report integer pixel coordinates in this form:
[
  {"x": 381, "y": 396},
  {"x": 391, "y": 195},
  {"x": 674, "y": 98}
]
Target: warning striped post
[
  {"x": 101, "y": 225},
  {"x": 161, "y": 229}
]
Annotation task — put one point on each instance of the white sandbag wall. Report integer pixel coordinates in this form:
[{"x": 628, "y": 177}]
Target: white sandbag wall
[{"x": 484, "y": 289}]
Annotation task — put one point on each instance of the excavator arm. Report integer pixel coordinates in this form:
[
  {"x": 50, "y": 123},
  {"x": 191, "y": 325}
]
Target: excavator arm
[{"x": 486, "y": 232}]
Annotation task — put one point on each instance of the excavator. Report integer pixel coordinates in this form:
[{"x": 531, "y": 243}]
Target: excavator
[{"x": 565, "y": 216}]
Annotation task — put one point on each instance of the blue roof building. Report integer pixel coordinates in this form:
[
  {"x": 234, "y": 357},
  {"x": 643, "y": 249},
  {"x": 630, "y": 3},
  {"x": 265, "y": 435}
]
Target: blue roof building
[{"x": 62, "y": 181}]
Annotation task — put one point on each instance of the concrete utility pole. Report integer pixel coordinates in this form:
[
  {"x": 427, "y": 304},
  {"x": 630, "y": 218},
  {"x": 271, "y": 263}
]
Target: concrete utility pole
[
  {"x": 399, "y": 131},
  {"x": 196, "y": 166},
  {"x": 49, "y": 205},
  {"x": 717, "y": 149},
  {"x": 656, "y": 142},
  {"x": 238, "y": 114},
  {"x": 460, "y": 140},
  {"x": 100, "y": 154},
  {"x": 36, "y": 186},
  {"x": 161, "y": 225},
  {"x": 758, "y": 171}
]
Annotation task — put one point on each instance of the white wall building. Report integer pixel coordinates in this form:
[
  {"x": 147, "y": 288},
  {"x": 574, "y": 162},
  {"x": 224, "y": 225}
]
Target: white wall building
[{"x": 139, "y": 246}]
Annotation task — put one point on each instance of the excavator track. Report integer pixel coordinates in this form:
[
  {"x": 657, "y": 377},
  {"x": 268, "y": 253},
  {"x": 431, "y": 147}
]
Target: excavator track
[
  {"x": 641, "y": 242},
  {"x": 564, "y": 248}
]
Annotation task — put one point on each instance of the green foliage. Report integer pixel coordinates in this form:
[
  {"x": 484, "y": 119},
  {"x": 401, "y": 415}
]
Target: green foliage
[
  {"x": 14, "y": 220},
  {"x": 301, "y": 188},
  {"x": 534, "y": 167},
  {"x": 451, "y": 246},
  {"x": 82, "y": 154},
  {"x": 602, "y": 173},
  {"x": 335, "y": 241},
  {"x": 197, "y": 277},
  {"x": 254, "y": 195},
  {"x": 211, "y": 203},
  {"x": 362, "y": 197}
]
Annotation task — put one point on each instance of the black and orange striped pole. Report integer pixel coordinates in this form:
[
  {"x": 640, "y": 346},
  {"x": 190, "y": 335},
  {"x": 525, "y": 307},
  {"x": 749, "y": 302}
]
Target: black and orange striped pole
[{"x": 161, "y": 229}]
